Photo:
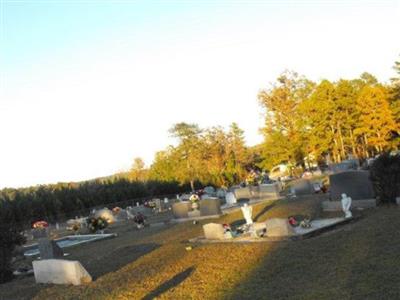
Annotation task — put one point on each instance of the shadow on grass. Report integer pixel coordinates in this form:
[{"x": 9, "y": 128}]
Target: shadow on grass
[
  {"x": 263, "y": 211},
  {"x": 359, "y": 262},
  {"x": 173, "y": 282},
  {"x": 117, "y": 258}
]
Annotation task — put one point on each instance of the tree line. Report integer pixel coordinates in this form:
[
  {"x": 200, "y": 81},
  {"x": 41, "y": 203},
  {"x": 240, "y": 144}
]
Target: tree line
[
  {"x": 65, "y": 200},
  {"x": 308, "y": 122}
]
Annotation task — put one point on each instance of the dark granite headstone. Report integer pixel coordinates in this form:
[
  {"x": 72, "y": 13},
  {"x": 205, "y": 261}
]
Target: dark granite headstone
[
  {"x": 355, "y": 184},
  {"x": 49, "y": 249},
  {"x": 302, "y": 187},
  {"x": 209, "y": 207},
  {"x": 181, "y": 209}
]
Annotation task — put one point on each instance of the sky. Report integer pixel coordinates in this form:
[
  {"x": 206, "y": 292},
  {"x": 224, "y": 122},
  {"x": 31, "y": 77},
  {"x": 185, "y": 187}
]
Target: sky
[{"x": 87, "y": 86}]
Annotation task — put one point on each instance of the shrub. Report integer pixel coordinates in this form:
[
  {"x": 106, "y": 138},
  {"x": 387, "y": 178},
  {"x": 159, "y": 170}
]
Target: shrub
[
  {"x": 385, "y": 176},
  {"x": 10, "y": 236}
]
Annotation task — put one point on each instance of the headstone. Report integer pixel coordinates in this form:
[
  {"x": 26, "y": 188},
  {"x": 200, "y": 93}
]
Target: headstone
[
  {"x": 278, "y": 227},
  {"x": 209, "y": 190},
  {"x": 398, "y": 200},
  {"x": 158, "y": 204},
  {"x": 242, "y": 193},
  {"x": 166, "y": 201},
  {"x": 302, "y": 187},
  {"x": 355, "y": 184},
  {"x": 221, "y": 193},
  {"x": 59, "y": 271},
  {"x": 106, "y": 214},
  {"x": 269, "y": 190},
  {"x": 181, "y": 209},
  {"x": 230, "y": 198},
  {"x": 209, "y": 207},
  {"x": 49, "y": 249},
  {"x": 213, "y": 231}
]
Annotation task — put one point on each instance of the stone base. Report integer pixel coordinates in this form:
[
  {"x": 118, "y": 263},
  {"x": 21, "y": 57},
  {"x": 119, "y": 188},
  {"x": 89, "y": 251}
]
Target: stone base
[
  {"x": 337, "y": 205},
  {"x": 59, "y": 271}
]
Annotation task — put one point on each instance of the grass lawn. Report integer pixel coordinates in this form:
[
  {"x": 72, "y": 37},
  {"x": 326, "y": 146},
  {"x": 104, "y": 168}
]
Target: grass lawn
[{"x": 357, "y": 261}]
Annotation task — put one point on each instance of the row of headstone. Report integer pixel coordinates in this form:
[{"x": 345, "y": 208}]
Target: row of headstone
[
  {"x": 260, "y": 191},
  {"x": 208, "y": 207}
]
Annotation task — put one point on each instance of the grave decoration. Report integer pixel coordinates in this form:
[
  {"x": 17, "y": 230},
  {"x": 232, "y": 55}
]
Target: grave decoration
[
  {"x": 40, "y": 224},
  {"x": 139, "y": 220},
  {"x": 195, "y": 201},
  {"x": 96, "y": 224},
  {"x": 300, "y": 220},
  {"x": 346, "y": 204}
]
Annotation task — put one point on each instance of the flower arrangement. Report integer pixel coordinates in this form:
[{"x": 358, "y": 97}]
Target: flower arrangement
[
  {"x": 40, "y": 225},
  {"x": 116, "y": 210},
  {"x": 194, "y": 198},
  {"x": 96, "y": 224}
]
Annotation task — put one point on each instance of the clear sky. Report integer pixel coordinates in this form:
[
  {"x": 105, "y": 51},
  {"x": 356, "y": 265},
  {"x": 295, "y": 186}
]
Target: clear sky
[{"x": 86, "y": 86}]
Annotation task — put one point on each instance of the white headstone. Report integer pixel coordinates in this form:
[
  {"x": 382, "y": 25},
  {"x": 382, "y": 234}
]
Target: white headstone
[
  {"x": 277, "y": 227},
  {"x": 247, "y": 213},
  {"x": 213, "y": 231},
  {"x": 166, "y": 200},
  {"x": 230, "y": 198},
  {"x": 60, "y": 271}
]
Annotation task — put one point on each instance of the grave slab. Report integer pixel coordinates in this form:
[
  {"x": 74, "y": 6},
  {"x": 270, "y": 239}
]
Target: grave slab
[{"x": 60, "y": 271}]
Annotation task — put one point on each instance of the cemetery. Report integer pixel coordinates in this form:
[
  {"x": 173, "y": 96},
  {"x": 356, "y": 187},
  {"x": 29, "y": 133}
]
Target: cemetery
[{"x": 232, "y": 241}]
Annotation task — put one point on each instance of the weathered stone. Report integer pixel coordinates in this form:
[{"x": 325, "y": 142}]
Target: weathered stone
[
  {"x": 59, "y": 271},
  {"x": 278, "y": 227},
  {"x": 181, "y": 209},
  {"x": 213, "y": 231},
  {"x": 209, "y": 207},
  {"x": 355, "y": 184}
]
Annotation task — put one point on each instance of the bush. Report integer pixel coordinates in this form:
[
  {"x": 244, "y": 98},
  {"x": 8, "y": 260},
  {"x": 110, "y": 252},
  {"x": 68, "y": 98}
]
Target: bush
[
  {"x": 385, "y": 176},
  {"x": 10, "y": 236}
]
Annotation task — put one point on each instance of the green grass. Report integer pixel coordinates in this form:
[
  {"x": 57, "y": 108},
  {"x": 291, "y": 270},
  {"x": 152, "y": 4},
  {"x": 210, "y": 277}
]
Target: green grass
[{"x": 357, "y": 261}]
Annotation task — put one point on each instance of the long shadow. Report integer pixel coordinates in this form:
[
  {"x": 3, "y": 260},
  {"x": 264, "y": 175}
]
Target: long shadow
[
  {"x": 357, "y": 263},
  {"x": 265, "y": 209},
  {"x": 173, "y": 282}
]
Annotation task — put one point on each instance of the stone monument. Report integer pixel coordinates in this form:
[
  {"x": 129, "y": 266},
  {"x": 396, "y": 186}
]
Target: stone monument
[
  {"x": 346, "y": 204},
  {"x": 59, "y": 271},
  {"x": 230, "y": 198},
  {"x": 355, "y": 184},
  {"x": 210, "y": 207},
  {"x": 247, "y": 213}
]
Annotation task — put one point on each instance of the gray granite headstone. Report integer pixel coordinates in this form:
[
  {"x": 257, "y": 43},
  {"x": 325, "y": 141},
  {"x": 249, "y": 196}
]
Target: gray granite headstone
[
  {"x": 49, "y": 249},
  {"x": 209, "y": 207},
  {"x": 269, "y": 190},
  {"x": 302, "y": 187},
  {"x": 355, "y": 184},
  {"x": 242, "y": 193},
  {"x": 181, "y": 209}
]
